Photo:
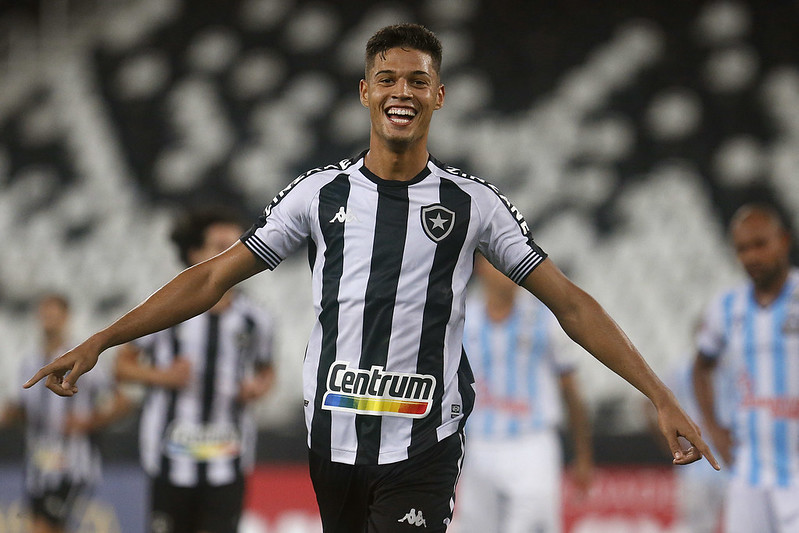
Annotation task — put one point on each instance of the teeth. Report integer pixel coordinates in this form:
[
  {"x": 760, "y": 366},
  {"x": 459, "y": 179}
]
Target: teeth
[{"x": 402, "y": 111}]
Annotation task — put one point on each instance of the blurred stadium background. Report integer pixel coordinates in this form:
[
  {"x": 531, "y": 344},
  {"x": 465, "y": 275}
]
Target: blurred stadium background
[{"x": 627, "y": 132}]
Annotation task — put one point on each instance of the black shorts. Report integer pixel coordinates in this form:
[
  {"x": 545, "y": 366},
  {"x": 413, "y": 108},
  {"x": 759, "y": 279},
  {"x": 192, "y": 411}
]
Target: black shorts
[
  {"x": 190, "y": 509},
  {"x": 56, "y": 505},
  {"x": 413, "y": 495}
]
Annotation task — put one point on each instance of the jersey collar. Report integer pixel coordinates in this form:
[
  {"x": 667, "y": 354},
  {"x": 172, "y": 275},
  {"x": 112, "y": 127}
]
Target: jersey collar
[{"x": 371, "y": 176}]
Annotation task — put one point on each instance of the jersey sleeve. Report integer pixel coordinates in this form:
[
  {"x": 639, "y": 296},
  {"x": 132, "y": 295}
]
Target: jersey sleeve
[
  {"x": 284, "y": 226},
  {"x": 710, "y": 339},
  {"x": 505, "y": 238}
]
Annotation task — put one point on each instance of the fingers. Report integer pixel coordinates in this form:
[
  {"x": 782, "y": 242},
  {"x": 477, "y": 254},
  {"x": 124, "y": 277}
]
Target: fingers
[
  {"x": 70, "y": 380},
  {"x": 704, "y": 449},
  {"x": 44, "y": 371},
  {"x": 697, "y": 450},
  {"x": 57, "y": 378},
  {"x": 684, "y": 457},
  {"x": 56, "y": 384}
]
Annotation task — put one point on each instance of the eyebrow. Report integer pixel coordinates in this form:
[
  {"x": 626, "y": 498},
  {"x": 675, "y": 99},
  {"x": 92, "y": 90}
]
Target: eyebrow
[{"x": 415, "y": 72}]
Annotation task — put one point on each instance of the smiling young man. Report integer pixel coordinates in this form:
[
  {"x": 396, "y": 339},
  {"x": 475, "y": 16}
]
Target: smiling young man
[{"x": 392, "y": 235}]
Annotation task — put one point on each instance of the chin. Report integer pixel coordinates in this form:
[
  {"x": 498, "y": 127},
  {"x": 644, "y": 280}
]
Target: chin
[{"x": 399, "y": 144}]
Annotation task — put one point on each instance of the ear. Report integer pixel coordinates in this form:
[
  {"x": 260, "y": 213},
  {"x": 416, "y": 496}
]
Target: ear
[
  {"x": 363, "y": 89},
  {"x": 440, "y": 97}
]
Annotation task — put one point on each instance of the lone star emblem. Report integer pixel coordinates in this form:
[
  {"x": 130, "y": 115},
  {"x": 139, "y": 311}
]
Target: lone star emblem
[{"x": 438, "y": 222}]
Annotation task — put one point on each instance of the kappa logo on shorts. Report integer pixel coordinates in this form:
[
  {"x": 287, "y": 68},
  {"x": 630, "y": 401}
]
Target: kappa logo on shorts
[
  {"x": 414, "y": 518},
  {"x": 437, "y": 221}
]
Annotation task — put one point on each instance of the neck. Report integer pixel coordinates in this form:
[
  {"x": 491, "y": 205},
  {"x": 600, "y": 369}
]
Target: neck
[
  {"x": 499, "y": 306},
  {"x": 398, "y": 165},
  {"x": 768, "y": 291}
]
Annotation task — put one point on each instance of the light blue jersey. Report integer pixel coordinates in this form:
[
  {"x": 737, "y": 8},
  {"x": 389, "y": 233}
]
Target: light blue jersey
[
  {"x": 516, "y": 366},
  {"x": 761, "y": 347}
]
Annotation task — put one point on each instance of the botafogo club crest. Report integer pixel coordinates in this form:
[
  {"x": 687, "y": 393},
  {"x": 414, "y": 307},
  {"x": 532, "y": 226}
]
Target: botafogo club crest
[{"x": 437, "y": 221}]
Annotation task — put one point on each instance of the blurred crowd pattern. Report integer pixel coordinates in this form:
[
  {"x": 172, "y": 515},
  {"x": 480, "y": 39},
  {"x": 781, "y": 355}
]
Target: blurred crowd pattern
[{"x": 627, "y": 132}]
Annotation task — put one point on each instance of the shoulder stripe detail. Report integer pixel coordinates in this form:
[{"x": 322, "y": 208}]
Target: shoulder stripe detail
[
  {"x": 264, "y": 252},
  {"x": 525, "y": 266},
  {"x": 344, "y": 164},
  {"x": 517, "y": 215}
]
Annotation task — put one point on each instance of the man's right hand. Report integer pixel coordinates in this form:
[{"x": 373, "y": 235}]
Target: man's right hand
[{"x": 63, "y": 373}]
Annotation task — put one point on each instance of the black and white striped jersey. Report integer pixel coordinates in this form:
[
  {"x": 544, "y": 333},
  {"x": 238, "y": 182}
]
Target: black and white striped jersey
[
  {"x": 52, "y": 456},
  {"x": 385, "y": 375},
  {"x": 201, "y": 434}
]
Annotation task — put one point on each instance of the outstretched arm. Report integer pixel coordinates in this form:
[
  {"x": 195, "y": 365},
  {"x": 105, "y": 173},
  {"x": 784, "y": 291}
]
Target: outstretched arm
[
  {"x": 193, "y": 291},
  {"x": 587, "y": 323}
]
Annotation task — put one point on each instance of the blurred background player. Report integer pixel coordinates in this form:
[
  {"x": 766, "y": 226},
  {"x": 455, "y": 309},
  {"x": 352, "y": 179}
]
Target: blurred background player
[
  {"x": 754, "y": 328},
  {"x": 197, "y": 438},
  {"x": 62, "y": 461},
  {"x": 511, "y": 479}
]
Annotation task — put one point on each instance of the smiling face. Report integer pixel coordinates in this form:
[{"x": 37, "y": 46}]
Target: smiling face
[{"x": 401, "y": 90}]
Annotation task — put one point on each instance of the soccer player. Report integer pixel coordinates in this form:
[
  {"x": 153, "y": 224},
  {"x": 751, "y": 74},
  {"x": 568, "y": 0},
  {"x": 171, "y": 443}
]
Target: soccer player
[
  {"x": 391, "y": 236},
  {"x": 511, "y": 479},
  {"x": 197, "y": 437},
  {"x": 62, "y": 461},
  {"x": 754, "y": 329}
]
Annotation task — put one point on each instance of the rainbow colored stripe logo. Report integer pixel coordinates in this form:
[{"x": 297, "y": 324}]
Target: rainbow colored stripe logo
[
  {"x": 377, "y": 392},
  {"x": 202, "y": 442}
]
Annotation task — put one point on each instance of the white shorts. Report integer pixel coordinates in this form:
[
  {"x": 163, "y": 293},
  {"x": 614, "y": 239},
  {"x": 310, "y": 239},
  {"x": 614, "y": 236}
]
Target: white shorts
[
  {"x": 761, "y": 509},
  {"x": 512, "y": 486}
]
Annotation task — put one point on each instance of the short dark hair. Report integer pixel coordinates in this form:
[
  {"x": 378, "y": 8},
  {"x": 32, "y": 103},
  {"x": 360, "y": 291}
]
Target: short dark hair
[
  {"x": 406, "y": 36},
  {"x": 189, "y": 230}
]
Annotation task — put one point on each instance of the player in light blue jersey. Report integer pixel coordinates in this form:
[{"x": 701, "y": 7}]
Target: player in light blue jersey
[
  {"x": 511, "y": 479},
  {"x": 754, "y": 329}
]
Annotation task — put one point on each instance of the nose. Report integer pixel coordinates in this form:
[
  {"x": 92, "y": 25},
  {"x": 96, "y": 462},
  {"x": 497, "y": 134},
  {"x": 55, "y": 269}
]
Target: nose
[{"x": 402, "y": 89}]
